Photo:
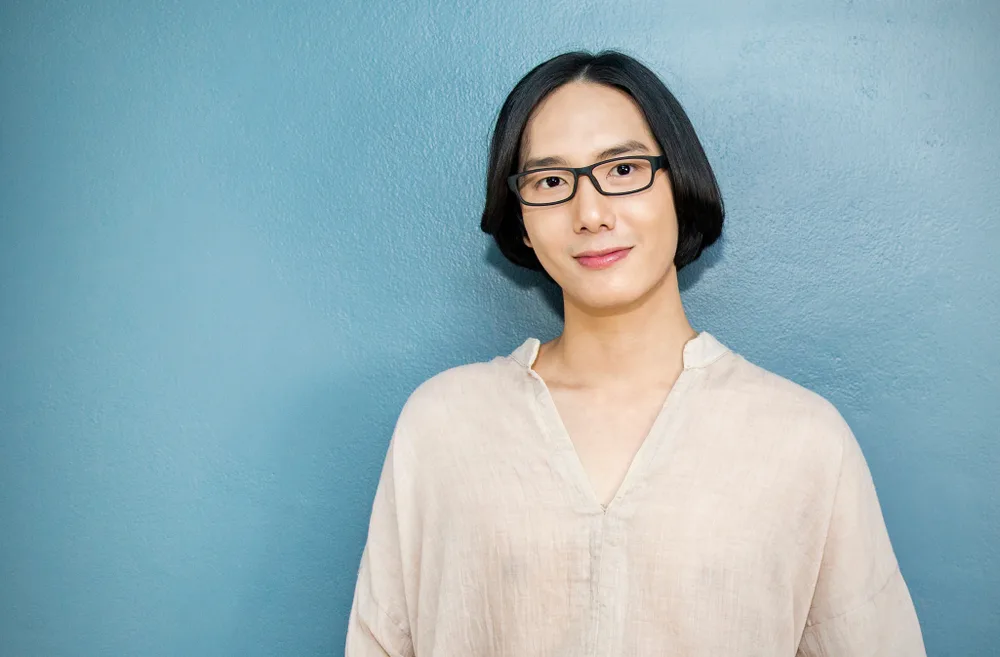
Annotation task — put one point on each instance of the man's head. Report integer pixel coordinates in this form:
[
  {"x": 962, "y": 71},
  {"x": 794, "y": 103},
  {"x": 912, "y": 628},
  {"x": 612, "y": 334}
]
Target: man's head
[{"x": 576, "y": 110}]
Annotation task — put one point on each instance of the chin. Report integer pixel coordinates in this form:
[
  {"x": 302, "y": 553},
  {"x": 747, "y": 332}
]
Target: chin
[
  {"x": 606, "y": 297},
  {"x": 613, "y": 290}
]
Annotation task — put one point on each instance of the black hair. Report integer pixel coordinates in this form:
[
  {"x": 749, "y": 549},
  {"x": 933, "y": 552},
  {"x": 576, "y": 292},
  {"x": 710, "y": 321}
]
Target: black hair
[{"x": 697, "y": 200}]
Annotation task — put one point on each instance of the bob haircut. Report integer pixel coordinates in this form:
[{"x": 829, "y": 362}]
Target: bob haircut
[{"x": 697, "y": 200}]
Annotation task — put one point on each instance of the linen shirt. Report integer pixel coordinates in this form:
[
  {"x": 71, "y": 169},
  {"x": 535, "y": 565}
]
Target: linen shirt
[{"x": 747, "y": 524}]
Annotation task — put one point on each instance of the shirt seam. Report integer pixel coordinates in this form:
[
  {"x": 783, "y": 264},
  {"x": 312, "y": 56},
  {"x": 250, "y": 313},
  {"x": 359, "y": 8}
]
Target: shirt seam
[
  {"x": 396, "y": 624},
  {"x": 826, "y": 533},
  {"x": 888, "y": 581},
  {"x": 826, "y": 536}
]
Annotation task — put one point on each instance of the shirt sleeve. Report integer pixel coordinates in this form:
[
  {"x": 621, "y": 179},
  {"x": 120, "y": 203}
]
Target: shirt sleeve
[
  {"x": 378, "y": 625},
  {"x": 861, "y": 606}
]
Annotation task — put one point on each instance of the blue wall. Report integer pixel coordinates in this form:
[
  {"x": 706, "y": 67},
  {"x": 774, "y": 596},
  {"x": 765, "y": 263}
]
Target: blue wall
[{"x": 233, "y": 239}]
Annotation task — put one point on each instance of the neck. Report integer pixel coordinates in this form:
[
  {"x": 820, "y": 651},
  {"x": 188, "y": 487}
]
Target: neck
[{"x": 638, "y": 345}]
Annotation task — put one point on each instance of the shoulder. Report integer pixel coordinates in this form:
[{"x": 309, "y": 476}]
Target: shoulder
[
  {"x": 777, "y": 412},
  {"x": 761, "y": 392},
  {"x": 456, "y": 399},
  {"x": 455, "y": 417},
  {"x": 774, "y": 428}
]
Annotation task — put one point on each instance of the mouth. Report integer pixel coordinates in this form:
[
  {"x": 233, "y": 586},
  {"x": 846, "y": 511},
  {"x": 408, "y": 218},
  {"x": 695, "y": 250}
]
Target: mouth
[{"x": 604, "y": 258}]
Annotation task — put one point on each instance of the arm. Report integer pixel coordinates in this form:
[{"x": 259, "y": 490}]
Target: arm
[
  {"x": 861, "y": 605},
  {"x": 378, "y": 625}
]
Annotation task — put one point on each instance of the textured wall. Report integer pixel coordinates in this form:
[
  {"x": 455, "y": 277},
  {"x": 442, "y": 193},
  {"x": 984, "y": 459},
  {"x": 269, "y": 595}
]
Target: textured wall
[{"x": 233, "y": 239}]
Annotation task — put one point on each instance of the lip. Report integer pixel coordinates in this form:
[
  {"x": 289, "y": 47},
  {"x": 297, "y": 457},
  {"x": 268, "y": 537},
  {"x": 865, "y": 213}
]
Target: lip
[{"x": 603, "y": 258}]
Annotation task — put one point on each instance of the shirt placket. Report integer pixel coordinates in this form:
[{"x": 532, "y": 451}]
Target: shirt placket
[{"x": 609, "y": 569}]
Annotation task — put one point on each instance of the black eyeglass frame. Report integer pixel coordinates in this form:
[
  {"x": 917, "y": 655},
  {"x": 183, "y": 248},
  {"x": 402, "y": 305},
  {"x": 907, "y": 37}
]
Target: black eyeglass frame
[{"x": 657, "y": 162}]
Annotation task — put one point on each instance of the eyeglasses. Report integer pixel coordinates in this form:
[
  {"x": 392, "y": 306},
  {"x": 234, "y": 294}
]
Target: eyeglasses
[{"x": 614, "y": 177}]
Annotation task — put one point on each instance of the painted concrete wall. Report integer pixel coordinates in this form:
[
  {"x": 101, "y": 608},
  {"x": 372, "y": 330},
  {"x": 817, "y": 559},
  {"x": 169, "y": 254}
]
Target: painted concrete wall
[{"x": 233, "y": 238}]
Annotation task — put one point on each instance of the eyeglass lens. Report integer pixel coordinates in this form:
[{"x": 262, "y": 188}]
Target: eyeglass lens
[{"x": 554, "y": 185}]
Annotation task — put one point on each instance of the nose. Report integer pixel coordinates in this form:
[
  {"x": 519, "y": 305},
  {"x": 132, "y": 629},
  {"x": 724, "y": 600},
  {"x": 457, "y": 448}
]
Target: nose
[{"x": 593, "y": 209}]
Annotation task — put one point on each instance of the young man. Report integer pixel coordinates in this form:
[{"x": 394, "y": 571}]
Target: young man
[{"x": 632, "y": 487}]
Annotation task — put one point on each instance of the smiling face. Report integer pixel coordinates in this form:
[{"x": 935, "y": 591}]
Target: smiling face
[{"x": 576, "y": 125}]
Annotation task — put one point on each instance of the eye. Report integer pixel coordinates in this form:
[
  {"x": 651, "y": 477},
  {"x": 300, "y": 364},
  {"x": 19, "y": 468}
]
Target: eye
[
  {"x": 630, "y": 168},
  {"x": 548, "y": 182}
]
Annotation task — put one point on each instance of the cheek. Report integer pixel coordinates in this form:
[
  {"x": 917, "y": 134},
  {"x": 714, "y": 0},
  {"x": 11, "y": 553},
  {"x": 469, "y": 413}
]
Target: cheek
[
  {"x": 657, "y": 231},
  {"x": 654, "y": 219},
  {"x": 546, "y": 235}
]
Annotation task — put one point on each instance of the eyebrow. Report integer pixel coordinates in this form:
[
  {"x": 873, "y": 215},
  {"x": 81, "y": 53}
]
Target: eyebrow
[{"x": 630, "y": 146}]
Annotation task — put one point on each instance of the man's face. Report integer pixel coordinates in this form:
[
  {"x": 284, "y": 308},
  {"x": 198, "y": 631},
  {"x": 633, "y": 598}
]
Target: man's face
[{"x": 576, "y": 123}]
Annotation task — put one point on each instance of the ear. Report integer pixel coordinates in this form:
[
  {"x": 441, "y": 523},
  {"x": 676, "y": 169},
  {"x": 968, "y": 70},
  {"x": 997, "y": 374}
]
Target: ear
[{"x": 527, "y": 242}]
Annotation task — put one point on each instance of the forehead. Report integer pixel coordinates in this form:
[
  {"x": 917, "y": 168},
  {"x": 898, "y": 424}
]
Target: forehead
[{"x": 580, "y": 119}]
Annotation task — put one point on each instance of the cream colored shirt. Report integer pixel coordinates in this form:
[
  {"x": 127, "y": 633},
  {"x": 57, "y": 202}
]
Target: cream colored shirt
[{"x": 747, "y": 524}]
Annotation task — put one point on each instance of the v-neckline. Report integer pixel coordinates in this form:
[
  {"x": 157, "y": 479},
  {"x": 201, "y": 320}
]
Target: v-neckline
[{"x": 569, "y": 463}]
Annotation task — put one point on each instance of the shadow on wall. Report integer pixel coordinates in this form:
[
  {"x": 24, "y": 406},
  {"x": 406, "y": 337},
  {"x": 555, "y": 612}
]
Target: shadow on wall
[
  {"x": 688, "y": 277},
  {"x": 310, "y": 516},
  {"x": 526, "y": 279}
]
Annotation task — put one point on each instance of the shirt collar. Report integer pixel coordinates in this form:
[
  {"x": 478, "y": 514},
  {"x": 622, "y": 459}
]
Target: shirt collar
[{"x": 700, "y": 351}]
